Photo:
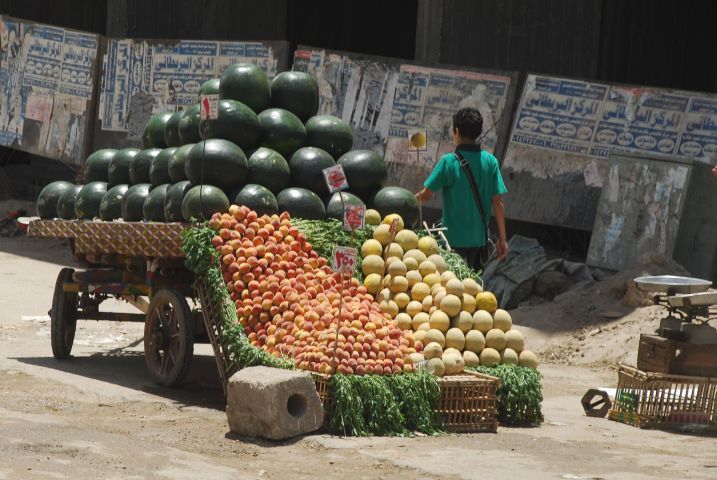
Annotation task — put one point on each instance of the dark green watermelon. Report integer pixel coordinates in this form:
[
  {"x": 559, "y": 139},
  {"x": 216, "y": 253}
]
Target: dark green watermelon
[
  {"x": 334, "y": 207},
  {"x": 365, "y": 171},
  {"x": 236, "y": 122},
  {"x": 189, "y": 125},
  {"x": 171, "y": 130},
  {"x": 118, "y": 170},
  {"x": 153, "y": 134},
  {"x": 177, "y": 163},
  {"x": 397, "y": 200},
  {"x": 153, "y": 208},
  {"x": 329, "y": 133},
  {"x": 49, "y": 196},
  {"x": 216, "y": 162},
  {"x": 245, "y": 83},
  {"x": 140, "y": 165},
  {"x": 97, "y": 165},
  {"x": 111, "y": 205},
  {"x": 209, "y": 87},
  {"x": 66, "y": 203},
  {"x": 258, "y": 198},
  {"x": 281, "y": 131},
  {"x": 307, "y": 166},
  {"x": 88, "y": 200},
  {"x": 203, "y": 202},
  {"x": 301, "y": 203},
  {"x": 159, "y": 169},
  {"x": 133, "y": 202},
  {"x": 173, "y": 201},
  {"x": 269, "y": 169},
  {"x": 296, "y": 92}
]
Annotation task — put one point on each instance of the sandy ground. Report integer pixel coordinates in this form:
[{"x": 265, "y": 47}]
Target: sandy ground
[{"x": 99, "y": 416}]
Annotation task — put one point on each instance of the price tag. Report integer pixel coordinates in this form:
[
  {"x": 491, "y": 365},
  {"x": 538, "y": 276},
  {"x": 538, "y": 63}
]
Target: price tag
[
  {"x": 344, "y": 260},
  {"x": 354, "y": 217},
  {"x": 209, "y": 106},
  {"x": 335, "y": 178}
]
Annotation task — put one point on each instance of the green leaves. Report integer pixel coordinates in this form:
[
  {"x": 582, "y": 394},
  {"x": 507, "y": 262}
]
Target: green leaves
[{"x": 519, "y": 396}]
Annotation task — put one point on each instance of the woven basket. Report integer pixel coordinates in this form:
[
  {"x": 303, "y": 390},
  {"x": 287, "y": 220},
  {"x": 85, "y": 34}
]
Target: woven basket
[{"x": 656, "y": 400}]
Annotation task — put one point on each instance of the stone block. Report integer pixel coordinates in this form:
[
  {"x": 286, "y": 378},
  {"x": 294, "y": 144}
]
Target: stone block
[{"x": 273, "y": 403}]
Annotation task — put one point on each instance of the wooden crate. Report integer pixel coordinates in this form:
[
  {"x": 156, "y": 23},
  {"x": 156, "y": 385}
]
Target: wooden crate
[
  {"x": 667, "y": 401},
  {"x": 662, "y": 355},
  {"x": 469, "y": 403}
]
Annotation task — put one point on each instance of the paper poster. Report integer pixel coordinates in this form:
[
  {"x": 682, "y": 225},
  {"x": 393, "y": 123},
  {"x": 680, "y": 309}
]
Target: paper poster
[
  {"x": 209, "y": 106},
  {"x": 335, "y": 178},
  {"x": 354, "y": 217},
  {"x": 170, "y": 74},
  {"x": 344, "y": 259}
]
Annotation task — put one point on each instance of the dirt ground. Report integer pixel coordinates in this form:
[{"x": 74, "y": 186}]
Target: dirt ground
[{"x": 99, "y": 416}]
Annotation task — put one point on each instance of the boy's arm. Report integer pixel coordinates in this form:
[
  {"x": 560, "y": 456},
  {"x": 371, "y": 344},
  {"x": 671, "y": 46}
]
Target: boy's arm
[
  {"x": 499, "y": 210},
  {"x": 433, "y": 183}
]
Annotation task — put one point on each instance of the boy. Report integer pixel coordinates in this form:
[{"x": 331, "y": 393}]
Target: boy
[{"x": 466, "y": 229}]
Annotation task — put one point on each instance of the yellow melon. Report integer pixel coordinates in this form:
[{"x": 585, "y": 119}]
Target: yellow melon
[
  {"x": 451, "y": 305},
  {"x": 486, "y": 301},
  {"x": 389, "y": 307},
  {"x": 495, "y": 338},
  {"x": 471, "y": 287},
  {"x": 413, "y": 307},
  {"x": 528, "y": 359},
  {"x": 411, "y": 264},
  {"x": 413, "y": 277},
  {"x": 394, "y": 250},
  {"x": 502, "y": 320},
  {"x": 419, "y": 319},
  {"x": 475, "y": 341},
  {"x": 427, "y": 267},
  {"x": 453, "y": 285},
  {"x": 482, "y": 321},
  {"x": 402, "y": 299},
  {"x": 435, "y": 335},
  {"x": 514, "y": 339},
  {"x": 438, "y": 296},
  {"x": 419, "y": 336},
  {"x": 384, "y": 294},
  {"x": 453, "y": 363},
  {"x": 509, "y": 357},
  {"x": 371, "y": 247},
  {"x": 428, "y": 245},
  {"x": 469, "y": 303},
  {"x": 397, "y": 268},
  {"x": 372, "y": 217},
  {"x": 462, "y": 321},
  {"x": 373, "y": 264},
  {"x": 382, "y": 234},
  {"x": 414, "y": 358},
  {"x": 372, "y": 282},
  {"x": 439, "y": 262},
  {"x": 404, "y": 321},
  {"x": 398, "y": 284},
  {"x": 446, "y": 276},
  {"x": 439, "y": 320},
  {"x": 432, "y": 350},
  {"x": 424, "y": 326},
  {"x": 431, "y": 279},
  {"x": 416, "y": 254},
  {"x": 427, "y": 303},
  {"x": 420, "y": 291},
  {"x": 469, "y": 358},
  {"x": 455, "y": 339},
  {"x": 489, "y": 357},
  {"x": 435, "y": 367},
  {"x": 407, "y": 239},
  {"x": 388, "y": 220}
]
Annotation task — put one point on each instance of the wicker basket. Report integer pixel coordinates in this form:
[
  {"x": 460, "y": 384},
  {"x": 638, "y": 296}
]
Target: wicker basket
[
  {"x": 469, "y": 403},
  {"x": 656, "y": 400}
]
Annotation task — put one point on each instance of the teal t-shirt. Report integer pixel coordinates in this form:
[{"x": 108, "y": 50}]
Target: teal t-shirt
[{"x": 460, "y": 213}]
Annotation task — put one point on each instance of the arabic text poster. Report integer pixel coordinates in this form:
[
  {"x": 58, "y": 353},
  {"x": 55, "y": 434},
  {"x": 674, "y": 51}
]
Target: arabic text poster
[{"x": 699, "y": 139}]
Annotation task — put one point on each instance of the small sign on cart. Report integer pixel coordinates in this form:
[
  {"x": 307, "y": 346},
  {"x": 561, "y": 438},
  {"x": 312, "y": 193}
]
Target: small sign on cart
[
  {"x": 335, "y": 178},
  {"x": 209, "y": 106},
  {"x": 354, "y": 217},
  {"x": 344, "y": 260}
]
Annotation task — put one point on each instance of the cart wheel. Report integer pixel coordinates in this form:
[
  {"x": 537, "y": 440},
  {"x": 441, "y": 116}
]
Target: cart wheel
[
  {"x": 168, "y": 337},
  {"x": 63, "y": 317}
]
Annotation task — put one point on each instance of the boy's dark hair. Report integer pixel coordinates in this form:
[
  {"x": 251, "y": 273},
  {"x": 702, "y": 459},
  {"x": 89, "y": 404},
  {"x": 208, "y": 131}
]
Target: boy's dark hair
[{"x": 469, "y": 122}]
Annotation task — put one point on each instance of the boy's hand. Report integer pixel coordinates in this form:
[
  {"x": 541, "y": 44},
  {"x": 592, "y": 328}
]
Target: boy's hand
[
  {"x": 714, "y": 171},
  {"x": 424, "y": 195},
  {"x": 501, "y": 250}
]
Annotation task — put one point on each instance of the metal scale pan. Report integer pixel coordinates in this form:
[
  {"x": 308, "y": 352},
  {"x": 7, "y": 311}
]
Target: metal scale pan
[{"x": 672, "y": 284}]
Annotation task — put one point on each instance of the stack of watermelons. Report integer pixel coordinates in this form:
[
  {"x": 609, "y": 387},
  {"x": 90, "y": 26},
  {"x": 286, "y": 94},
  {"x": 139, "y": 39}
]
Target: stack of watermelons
[{"x": 267, "y": 150}]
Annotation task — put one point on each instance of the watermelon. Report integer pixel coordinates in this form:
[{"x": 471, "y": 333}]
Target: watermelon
[
  {"x": 153, "y": 134},
  {"x": 245, "y": 83},
  {"x": 111, "y": 205},
  {"x": 88, "y": 200},
  {"x": 173, "y": 201},
  {"x": 236, "y": 123},
  {"x": 140, "y": 165},
  {"x": 397, "y": 200},
  {"x": 66, "y": 203},
  {"x": 133, "y": 202},
  {"x": 216, "y": 162},
  {"x": 258, "y": 198},
  {"x": 329, "y": 133},
  {"x": 301, "y": 203},
  {"x": 97, "y": 165},
  {"x": 171, "y": 130},
  {"x": 189, "y": 125},
  {"x": 203, "y": 202},
  {"x": 153, "y": 208},
  {"x": 296, "y": 92},
  {"x": 281, "y": 131},
  {"x": 49, "y": 196},
  {"x": 365, "y": 171},
  {"x": 118, "y": 169},
  {"x": 334, "y": 207},
  {"x": 269, "y": 169},
  {"x": 177, "y": 162},
  {"x": 209, "y": 87},
  {"x": 307, "y": 166},
  {"x": 159, "y": 169}
]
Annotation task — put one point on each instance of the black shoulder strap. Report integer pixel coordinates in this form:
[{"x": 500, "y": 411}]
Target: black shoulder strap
[{"x": 474, "y": 187}]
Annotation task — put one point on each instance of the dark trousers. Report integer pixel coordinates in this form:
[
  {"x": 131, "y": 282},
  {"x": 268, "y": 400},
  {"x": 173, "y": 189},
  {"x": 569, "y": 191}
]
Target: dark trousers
[{"x": 475, "y": 257}]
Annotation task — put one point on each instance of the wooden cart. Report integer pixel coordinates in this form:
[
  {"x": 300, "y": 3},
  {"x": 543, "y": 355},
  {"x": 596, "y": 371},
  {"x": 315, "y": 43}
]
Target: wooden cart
[{"x": 141, "y": 263}]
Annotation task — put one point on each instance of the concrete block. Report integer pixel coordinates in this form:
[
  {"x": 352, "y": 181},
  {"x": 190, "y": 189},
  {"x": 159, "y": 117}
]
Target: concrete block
[{"x": 273, "y": 403}]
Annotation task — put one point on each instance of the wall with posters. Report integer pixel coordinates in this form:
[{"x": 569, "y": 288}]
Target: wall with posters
[
  {"x": 47, "y": 79},
  {"x": 142, "y": 77},
  {"x": 564, "y": 130},
  {"x": 385, "y": 101}
]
